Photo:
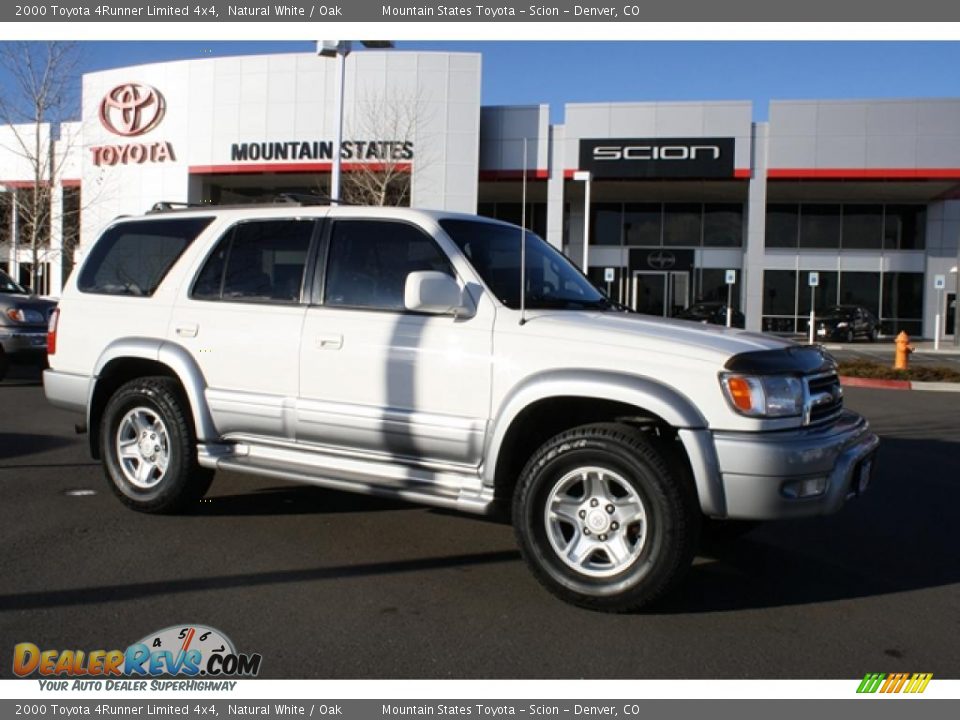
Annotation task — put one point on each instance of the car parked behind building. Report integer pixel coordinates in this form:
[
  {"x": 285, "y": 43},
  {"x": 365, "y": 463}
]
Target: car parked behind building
[{"x": 847, "y": 323}]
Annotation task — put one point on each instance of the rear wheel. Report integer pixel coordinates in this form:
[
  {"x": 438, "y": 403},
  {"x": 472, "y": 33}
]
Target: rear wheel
[
  {"x": 148, "y": 447},
  {"x": 4, "y": 364},
  {"x": 603, "y": 521}
]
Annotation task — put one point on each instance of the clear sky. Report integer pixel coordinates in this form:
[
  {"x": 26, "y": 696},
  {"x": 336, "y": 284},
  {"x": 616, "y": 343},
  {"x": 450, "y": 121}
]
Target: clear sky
[{"x": 559, "y": 72}]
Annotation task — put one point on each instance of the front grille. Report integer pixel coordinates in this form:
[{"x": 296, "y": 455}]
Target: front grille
[{"x": 823, "y": 398}]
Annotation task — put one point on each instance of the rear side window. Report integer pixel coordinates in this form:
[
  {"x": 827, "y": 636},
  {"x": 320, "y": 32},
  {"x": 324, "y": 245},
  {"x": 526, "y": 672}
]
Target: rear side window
[
  {"x": 259, "y": 261},
  {"x": 132, "y": 258}
]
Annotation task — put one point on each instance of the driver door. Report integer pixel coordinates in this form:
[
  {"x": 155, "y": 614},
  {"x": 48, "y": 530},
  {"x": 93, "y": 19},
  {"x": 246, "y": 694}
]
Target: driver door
[{"x": 375, "y": 378}]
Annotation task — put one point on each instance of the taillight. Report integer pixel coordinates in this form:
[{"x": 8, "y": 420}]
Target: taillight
[{"x": 52, "y": 331}]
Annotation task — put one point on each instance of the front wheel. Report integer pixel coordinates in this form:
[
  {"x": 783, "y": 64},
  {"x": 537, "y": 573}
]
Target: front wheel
[
  {"x": 603, "y": 520},
  {"x": 148, "y": 447}
]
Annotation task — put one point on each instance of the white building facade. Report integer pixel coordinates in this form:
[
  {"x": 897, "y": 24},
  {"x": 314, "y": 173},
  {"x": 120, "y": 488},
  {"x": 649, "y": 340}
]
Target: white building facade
[{"x": 864, "y": 193}]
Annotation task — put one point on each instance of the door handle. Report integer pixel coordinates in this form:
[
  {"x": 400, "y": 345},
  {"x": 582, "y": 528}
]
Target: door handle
[
  {"x": 189, "y": 330},
  {"x": 329, "y": 342}
]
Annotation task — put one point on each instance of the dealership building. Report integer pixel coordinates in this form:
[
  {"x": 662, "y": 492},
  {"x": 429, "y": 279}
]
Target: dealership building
[{"x": 670, "y": 196}]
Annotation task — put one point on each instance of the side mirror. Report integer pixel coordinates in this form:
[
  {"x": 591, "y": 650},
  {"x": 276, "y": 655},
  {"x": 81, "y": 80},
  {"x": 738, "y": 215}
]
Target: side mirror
[{"x": 429, "y": 291}]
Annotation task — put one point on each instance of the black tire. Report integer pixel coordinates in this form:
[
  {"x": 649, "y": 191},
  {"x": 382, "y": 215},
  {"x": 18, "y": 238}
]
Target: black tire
[
  {"x": 182, "y": 482},
  {"x": 849, "y": 337},
  {"x": 4, "y": 364},
  {"x": 658, "y": 559},
  {"x": 872, "y": 335}
]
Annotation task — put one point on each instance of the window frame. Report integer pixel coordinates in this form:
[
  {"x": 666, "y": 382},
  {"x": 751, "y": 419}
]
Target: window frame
[
  {"x": 321, "y": 271},
  {"x": 229, "y": 234}
]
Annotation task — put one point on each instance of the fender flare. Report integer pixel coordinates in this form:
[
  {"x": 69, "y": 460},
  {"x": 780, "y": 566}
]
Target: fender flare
[
  {"x": 667, "y": 403},
  {"x": 175, "y": 357}
]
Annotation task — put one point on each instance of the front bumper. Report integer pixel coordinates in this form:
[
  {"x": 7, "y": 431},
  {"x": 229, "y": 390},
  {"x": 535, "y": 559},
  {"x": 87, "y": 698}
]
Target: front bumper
[{"x": 759, "y": 471}]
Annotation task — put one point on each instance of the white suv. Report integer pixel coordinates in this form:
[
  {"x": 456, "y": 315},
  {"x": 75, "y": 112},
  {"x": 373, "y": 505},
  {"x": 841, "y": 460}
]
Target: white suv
[{"x": 385, "y": 351}]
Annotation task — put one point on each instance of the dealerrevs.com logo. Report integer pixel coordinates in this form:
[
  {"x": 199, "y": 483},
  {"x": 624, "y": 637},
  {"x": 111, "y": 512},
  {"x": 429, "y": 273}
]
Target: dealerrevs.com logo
[{"x": 181, "y": 651}]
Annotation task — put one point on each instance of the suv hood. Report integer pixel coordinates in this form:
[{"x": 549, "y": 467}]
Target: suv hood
[{"x": 712, "y": 343}]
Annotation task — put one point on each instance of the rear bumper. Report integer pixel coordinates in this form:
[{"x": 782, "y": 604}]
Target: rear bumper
[
  {"x": 67, "y": 391},
  {"x": 761, "y": 473},
  {"x": 28, "y": 343}
]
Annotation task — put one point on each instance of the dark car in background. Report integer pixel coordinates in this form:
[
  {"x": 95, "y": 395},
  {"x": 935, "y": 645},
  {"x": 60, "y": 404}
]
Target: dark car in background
[
  {"x": 23, "y": 325},
  {"x": 714, "y": 313},
  {"x": 846, "y": 323}
]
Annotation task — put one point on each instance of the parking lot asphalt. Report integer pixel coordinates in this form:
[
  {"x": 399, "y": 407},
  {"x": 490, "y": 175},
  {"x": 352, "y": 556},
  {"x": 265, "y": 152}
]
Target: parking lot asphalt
[{"x": 331, "y": 585}]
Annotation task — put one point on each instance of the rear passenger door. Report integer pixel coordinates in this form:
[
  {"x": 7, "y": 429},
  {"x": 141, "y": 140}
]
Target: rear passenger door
[
  {"x": 241, "y": 319},
  {"x": 378, "y": 379}
]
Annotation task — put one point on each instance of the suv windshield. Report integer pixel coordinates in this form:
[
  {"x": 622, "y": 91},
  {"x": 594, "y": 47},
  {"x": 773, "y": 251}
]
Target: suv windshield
[
  {"x": 551, "y": 280},
  {"x": 7, "y": 285}
]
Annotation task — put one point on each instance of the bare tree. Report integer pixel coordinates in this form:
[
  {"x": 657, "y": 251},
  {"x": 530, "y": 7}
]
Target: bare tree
[
  {"x": 41, "y": 91},
  {"x": 387, "y": 131}
]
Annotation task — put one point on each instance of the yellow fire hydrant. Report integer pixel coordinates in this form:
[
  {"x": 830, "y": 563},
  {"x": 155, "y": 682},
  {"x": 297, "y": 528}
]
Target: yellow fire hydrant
[{"x": 901, "y": 359}]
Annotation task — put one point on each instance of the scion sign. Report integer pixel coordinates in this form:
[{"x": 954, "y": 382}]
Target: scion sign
[{"x": 658, "y": 157}]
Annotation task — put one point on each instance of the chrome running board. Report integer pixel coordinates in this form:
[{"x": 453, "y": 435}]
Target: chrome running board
[{"x": 462, "y": 491}]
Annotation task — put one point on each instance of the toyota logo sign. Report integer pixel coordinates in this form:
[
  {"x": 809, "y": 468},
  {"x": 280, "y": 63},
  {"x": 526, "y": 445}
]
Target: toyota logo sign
[{"x": 132, "y": 109}]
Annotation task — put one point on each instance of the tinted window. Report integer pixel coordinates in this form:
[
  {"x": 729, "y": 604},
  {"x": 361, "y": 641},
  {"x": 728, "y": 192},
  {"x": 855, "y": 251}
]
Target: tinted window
[
  {"x": 682, "y": 224},
  {"x": 904, "y": 227},
  {"x": 605, "y": 223},
  {"x": 132, "y": 258},
  {"x": 369, "y": 263},
  {"x": 257, "y": 261},
  {"x": 783, "y": 222},
  {"x": 820, "y": 226},
  {"x": 862, "y": 227},
  {"x": 641, "y": 224},
  {"x": 722, "y": 225}
]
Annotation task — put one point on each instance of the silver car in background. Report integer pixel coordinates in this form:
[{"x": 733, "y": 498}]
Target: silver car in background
[{"x": 23, "y": 325}]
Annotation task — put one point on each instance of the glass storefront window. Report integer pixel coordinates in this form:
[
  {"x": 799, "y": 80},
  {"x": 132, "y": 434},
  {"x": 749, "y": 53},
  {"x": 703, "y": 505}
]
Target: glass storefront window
[
  {"x": 820, "y": 226},
  {"x": 826, "y": 293},
  {"x": 641, "y": 223},
  {"x": 682, "y": 224},
  {"x": 605, "y": 223},
  {"x": 905, "y": 227},
  {"x": 861, "y": 288},
  {"x": 902, "y": 307},
  {"x": 779, "y": 292},
  {"x": 783, "y": 223},
  {"x": 713, "y": 287},
  {"x": 722, "y": 225},
  {"x": 862, "y": 227}
]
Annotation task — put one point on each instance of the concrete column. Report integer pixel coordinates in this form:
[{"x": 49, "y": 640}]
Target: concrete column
[
  {"x": 555, "y": 185},
  {"x": 54, "y": 254},
  {"x": 753, "y": 251}
]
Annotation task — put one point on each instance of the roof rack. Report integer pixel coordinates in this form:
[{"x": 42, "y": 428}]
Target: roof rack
[
  {"x": 168, "y": 205},
  {"x": 311, "y": 199},
  {"x": 300, "y": 199}
]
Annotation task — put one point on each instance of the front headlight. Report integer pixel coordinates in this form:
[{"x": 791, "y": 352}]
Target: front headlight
[
  {"x": 770, "y": 396},
  {"x": 20, "y": 315},
  {"x": 842, "y": 324}
]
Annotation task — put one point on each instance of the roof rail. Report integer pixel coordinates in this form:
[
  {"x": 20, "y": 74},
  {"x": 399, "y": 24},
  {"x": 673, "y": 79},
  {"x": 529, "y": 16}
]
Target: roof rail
[
  {"x": 168, "y": 205},
  {"x": 310, "y": 199}
]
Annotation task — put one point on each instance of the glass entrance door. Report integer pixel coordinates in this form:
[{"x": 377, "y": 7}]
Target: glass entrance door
[{"x": 660, "y": 293}]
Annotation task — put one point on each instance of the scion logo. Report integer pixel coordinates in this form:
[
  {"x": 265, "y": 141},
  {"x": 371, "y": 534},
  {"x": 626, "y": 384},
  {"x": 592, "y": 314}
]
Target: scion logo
[
  {"x": 655, "y": 152},
  {"x": 661, "y": 260},
  {"x": 132, "y": 109}
]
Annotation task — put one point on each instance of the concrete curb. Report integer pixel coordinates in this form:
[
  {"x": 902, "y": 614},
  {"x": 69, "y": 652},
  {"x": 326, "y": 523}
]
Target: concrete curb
[{"x": 875, "y": 384}]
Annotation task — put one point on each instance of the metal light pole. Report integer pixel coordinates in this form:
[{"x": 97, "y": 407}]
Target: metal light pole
[
  {"x": 585, "y": 177},
  {"x": 340, "y": 49}
]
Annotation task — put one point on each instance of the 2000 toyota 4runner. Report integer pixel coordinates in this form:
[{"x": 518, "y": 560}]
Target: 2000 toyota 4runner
[{"x": 384, "y": 351}]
